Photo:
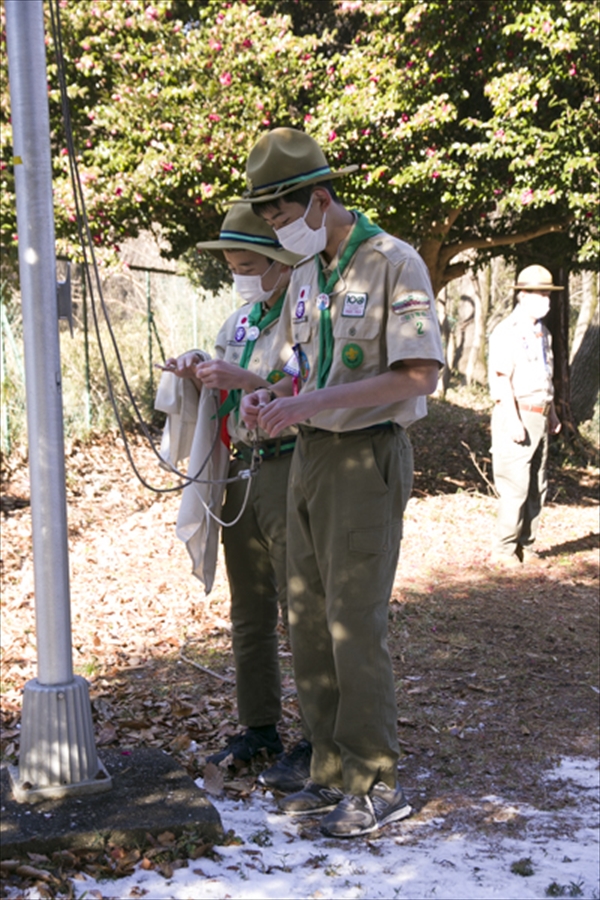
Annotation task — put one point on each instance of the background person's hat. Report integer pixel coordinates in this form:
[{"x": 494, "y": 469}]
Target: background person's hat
[
  {"x": 535, "y": 278},
  {"x": 243, "y": 230},
  {"x": 282, "y": 161}
]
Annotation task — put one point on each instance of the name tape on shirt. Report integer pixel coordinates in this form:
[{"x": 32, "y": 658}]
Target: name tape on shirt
[
  {"x": 414, "y": 302},
  {"x": 355, "y": 304}
]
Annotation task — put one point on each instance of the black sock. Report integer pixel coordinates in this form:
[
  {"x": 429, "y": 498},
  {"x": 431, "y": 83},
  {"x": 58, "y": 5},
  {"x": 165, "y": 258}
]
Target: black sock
[{"x": 266, "y": 732}]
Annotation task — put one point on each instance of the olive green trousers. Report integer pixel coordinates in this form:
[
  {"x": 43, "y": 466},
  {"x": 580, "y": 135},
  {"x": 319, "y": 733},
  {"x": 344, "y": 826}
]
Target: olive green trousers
[
  {"x": 520, "y": 479},
  {"x": 255, "y": 558},
  {"x": 347, "y": 494}
]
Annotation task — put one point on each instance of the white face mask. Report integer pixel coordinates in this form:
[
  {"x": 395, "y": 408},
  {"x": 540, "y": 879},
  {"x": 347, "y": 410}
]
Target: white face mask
[
  {"x": 300, "y": 238},
  {"x": 535, "y": 305},
  {"x": 250, "y": 287}
]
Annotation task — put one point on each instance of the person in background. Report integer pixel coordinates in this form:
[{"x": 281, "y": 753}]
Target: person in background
[
  {"x": 252, "y": 352},
  {"x": 520, "y": 378},
  {"x": 361, "y": 317}
]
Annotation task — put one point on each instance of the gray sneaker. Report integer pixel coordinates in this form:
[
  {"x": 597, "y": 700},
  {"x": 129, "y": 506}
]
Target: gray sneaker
[
  {"x": 311, "y": 800},
  {"x": 291, "y": 772},
  {"x": 354, "y": 816}
]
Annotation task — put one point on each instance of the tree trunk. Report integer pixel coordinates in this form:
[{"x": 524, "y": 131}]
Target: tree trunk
[
  {"x": 589, "y": 305},
  {"x": 558, "y": 324},
  {"x": 481, "y": 298},
  {"x": 585, "y": 373}
]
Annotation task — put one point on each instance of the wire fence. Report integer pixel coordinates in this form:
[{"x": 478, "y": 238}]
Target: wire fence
[{"x": 154, "y": 314}]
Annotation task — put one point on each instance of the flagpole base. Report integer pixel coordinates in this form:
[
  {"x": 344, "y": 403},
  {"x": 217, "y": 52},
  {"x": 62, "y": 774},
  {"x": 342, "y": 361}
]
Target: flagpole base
[{"x": 57, "y": 756}]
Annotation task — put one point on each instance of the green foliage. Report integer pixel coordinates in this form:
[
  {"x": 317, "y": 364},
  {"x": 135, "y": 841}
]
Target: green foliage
[{"x": 473, "y": 123}]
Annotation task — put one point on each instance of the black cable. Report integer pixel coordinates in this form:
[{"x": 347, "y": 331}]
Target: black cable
[{"x": 82, "y": 221}]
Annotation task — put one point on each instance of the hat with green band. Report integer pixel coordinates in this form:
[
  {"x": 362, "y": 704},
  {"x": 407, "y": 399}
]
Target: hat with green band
[
  {"x": 284, "y": 160},
  {"x": 243, "y": 230}
]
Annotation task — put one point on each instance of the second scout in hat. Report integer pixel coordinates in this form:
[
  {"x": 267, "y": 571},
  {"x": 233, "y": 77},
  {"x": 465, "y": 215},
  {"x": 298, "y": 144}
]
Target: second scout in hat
[{"x": 242, "y": 230}]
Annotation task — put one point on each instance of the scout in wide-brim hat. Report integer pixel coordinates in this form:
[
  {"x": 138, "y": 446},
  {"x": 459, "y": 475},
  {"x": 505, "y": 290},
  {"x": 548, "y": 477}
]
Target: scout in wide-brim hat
[
  {"x": 242, "y": 230},
  {"x": 535, "y": 278},
  {"x": 284, "y": 160}
]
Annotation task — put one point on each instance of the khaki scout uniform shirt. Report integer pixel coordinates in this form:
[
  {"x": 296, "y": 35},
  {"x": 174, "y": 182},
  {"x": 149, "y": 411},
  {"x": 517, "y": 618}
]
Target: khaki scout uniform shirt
[
  {"x": 522, "y": 350},
  {"x": 382, "y": 312},
  {"x": 271, "y": 352}
]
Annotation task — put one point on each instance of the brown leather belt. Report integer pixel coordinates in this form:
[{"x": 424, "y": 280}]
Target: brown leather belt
[{"x": 542, "y": 410}]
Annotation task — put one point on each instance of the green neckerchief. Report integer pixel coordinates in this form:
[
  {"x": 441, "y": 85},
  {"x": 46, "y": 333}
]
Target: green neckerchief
[
  {"x": 254, "y": 318},
  {"x": 362, "y": 230}
]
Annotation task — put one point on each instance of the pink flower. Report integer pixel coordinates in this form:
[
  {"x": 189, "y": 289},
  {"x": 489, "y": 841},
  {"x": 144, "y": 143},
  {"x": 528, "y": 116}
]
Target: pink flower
[
  {"x": 307, "y": 117},
  {"x": 266, "y": 122},
  {"x": 260, "y": 105},
  {"x": 246, "y": 42},
  {"x": 500, "y": 133},
  {"x": 225, "y": 79},
  {"x": 167, "y": 166},
  {"x": 151, "y": 13},
  {"x": 64, "y": 152},
  {"x": 207, "y": 189},
  {"x": 431, "y": 151},
  {"x": 331, "y": 136},
  {"x": 573, "y": 70},
  {"x": 497, "y": 191},
  {"x": 405, "y": 117},
  {"x": 137, "y": 197},
  {"x": 215, "y": 45},
  {"x": 526, "y": 196},
  {"x": 129, "y": 22},
  {"x": 118, "y": 191},
  {"x": 214, "y": 117},
  {"x": 435, "y": 174}
]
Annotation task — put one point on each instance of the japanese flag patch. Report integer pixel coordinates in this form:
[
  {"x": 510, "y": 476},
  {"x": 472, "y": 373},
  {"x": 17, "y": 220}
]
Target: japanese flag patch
[{"x": 301, "y": 304}]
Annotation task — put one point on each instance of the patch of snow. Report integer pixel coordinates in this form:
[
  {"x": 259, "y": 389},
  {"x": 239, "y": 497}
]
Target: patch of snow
[{"x": 413, "y": 859}]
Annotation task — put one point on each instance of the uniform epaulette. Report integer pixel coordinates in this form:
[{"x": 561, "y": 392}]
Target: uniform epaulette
[{"x": 394, "y": 250}]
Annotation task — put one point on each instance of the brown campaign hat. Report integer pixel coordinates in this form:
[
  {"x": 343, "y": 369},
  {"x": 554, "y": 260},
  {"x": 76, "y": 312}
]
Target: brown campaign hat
[
  {"x": 535, "y": 278},
  {"x": 283, "y": 160},
  {"x": 243, "y": 230}
]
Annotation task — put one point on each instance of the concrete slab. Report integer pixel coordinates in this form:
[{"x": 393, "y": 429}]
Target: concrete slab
[{"x": 150, "y": 793}]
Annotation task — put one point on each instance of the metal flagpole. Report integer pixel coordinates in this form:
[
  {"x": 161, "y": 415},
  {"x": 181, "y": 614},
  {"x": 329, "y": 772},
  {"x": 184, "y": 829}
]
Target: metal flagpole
[{"x": 58, "y": 754}]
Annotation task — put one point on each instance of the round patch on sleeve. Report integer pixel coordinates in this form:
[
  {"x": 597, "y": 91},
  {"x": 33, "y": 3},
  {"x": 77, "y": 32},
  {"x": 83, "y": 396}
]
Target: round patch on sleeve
[
  {"x": 275, "y": 376},
  {"x": 352, "y": 356}
]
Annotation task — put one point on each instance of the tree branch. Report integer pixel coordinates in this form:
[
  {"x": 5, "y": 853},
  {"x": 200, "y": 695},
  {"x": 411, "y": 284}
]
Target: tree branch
[{"x": 500, "y": 240}]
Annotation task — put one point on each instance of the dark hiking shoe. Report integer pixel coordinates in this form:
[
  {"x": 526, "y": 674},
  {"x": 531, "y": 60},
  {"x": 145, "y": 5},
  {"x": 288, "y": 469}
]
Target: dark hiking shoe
[
  {"x": 242, "y": 747},
  {"x": 291, "y": 772},
  {"x": 354, "y": 816},
  {"x": 311, "y": 800}
]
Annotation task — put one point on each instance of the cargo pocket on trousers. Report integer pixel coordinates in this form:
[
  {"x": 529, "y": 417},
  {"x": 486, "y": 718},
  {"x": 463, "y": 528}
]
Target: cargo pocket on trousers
[{"x": 369, "y": 540}]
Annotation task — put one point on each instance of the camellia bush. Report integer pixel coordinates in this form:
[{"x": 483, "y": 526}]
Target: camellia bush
[{"x": 473, "y": 123}]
